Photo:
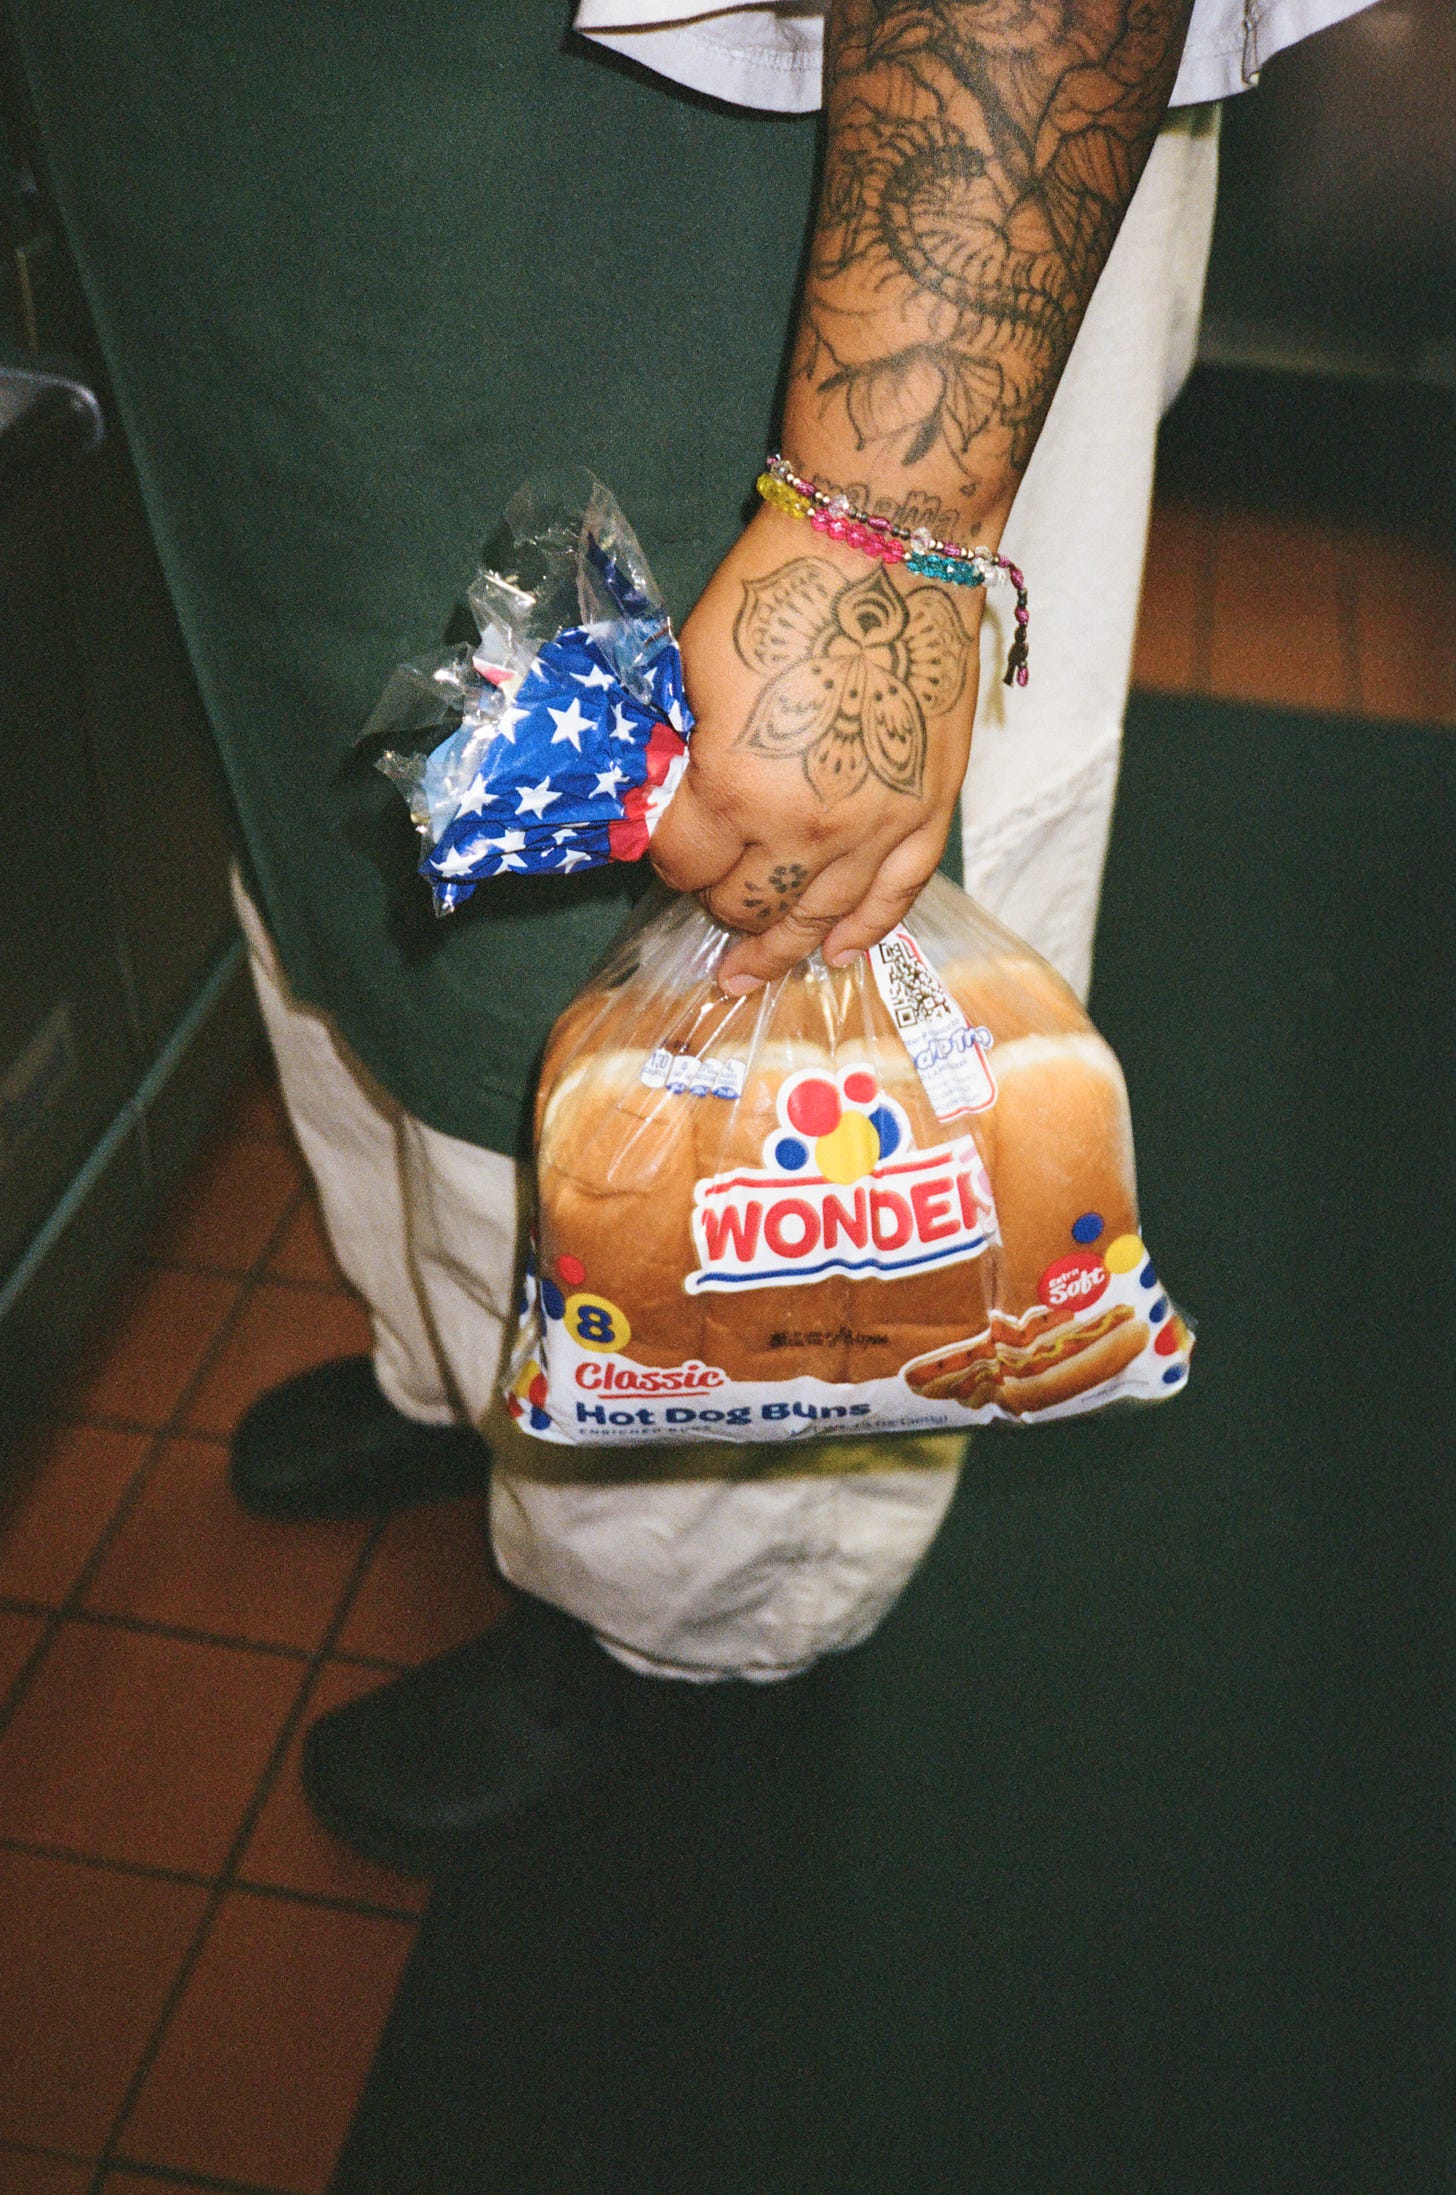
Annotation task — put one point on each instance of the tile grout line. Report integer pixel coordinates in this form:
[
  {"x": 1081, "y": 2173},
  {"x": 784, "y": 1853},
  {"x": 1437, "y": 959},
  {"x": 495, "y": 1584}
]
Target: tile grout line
[
  {"x": 186, "y": 1879},
  {"x": 9, "y": 2147},
  {"x": 150, "y": 1627},
  {"x": 188, "y": 1635},
  {"x": 313, "y": 1661},
  {"x": 284, "y": 1894},
  {"x": 70, "y": 1607},
  {"x": 167, "y": 2176},
  {"x": 162, "y": 2175}
]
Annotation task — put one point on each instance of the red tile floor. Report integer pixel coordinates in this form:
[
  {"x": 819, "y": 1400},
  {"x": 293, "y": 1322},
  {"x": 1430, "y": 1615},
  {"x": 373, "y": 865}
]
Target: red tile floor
[{"x": 194, "y": 1972}]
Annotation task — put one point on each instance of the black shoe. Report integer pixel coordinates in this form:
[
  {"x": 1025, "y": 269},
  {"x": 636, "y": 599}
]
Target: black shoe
[
  {"x": 413, "y": 1774},
  {"x": 328, "y": 1444}
]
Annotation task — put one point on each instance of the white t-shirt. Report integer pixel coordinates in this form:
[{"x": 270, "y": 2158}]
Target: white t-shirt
[{"x": 770, "y": 53}]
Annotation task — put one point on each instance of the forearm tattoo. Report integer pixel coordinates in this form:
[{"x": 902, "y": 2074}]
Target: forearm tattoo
[
  {"x": 855, "y": 669},
  {"x": 981, "y": 154}
]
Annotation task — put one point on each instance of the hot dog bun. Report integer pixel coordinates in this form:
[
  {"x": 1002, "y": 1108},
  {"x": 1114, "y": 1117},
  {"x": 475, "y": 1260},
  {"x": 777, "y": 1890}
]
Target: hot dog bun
[
  {"x": 1014, "y": 997},
  {"x": 615, "y": 1193},
  {"x": 1059, "y": 1152}
]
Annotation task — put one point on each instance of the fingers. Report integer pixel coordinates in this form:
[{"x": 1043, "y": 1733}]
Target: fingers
[
  {"x": 899, "y": 883},
  {"x": 850, "y": 906},
  {"x": 801, "y": 927},
  {"x": 760, "y": 889}
]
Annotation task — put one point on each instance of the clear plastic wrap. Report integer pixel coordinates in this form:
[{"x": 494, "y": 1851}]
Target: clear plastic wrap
[
  {"x": 553, "y": 742},
  {"x": 891, "y": 1198}
]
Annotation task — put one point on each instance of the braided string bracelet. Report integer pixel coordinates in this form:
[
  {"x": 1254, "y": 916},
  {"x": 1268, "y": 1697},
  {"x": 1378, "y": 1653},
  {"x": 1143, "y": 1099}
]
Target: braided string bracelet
[{"x": 914, "y": 547}]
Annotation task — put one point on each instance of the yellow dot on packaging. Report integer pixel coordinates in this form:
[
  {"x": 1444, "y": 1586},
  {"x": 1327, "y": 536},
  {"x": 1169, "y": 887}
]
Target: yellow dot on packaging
[
  {"x": 596, "y": 1323},
  {"x": 1123, "y": 1254},
  {"x": 848, "y": 1151}
]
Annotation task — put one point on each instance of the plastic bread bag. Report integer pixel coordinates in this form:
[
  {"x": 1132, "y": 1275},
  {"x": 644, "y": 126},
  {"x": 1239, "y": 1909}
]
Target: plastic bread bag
[
  {"x": 896, "y": 1197},
  {"x": 890, "y": 1198},
  {"x": 552, "y": 742}
]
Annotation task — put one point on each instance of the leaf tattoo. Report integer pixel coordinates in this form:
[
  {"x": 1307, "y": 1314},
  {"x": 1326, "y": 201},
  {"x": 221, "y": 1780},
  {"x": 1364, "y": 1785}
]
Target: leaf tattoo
[{"x": 854, "y": 668}]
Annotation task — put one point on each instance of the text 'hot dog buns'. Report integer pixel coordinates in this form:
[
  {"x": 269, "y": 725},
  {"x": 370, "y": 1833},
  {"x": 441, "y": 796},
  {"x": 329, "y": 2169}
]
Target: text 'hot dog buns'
[{"x": 895, "y": 1196}]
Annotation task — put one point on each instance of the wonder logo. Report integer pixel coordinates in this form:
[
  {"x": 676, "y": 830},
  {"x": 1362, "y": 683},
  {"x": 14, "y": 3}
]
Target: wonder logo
[{"x": 842, "y": 1190}]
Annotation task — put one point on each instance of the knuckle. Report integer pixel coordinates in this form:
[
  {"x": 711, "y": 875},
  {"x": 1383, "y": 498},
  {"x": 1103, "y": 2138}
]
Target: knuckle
[
  {"x": 821, "y": 830},
  {"x": 798, "y": 923},
  {"x": 667, "y": 867},
  {"x": 725, "y": 904}
]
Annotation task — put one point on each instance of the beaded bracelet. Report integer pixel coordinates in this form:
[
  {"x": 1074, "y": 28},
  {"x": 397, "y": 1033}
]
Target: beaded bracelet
[{"x": 916, "y": 548}]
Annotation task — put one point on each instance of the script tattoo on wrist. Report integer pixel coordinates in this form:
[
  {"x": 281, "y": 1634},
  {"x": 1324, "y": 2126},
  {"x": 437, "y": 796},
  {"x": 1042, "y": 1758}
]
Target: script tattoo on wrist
[
  {"x": 981, "y": 156},
  {"x": 918, "y": 507},
  {"x": 854, "y": 671}
]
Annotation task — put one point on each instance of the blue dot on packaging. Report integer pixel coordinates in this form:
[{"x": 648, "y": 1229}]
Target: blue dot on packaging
[
  {"x": 1174, "y": 1373},
  {"x": 1159, "y": 1311},
  {"x": 791, "y": 1154},
  {"x": 1147, "y": 1278},
  {"x": 553, "y": 1299},
  {"x": 883, "y": 1121},
  {"x": 1088, "y": 1227}
]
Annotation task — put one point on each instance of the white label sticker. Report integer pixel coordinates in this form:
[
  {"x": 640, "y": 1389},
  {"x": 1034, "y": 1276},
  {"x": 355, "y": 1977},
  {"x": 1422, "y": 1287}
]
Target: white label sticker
[
  {"x": 683, "y": 1074},
  {"x": 948, "y": 1054}
]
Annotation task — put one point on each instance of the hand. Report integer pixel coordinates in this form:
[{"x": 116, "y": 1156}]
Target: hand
[{"x": 834, "y": 698}]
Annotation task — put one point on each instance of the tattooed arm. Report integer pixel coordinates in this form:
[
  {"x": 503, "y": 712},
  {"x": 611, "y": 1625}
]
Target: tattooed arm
[{"x": 979, "y": 157}]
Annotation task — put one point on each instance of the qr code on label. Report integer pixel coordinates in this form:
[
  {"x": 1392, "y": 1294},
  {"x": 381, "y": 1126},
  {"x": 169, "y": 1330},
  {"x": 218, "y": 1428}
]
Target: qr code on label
[{"x": 912, "y": 991}]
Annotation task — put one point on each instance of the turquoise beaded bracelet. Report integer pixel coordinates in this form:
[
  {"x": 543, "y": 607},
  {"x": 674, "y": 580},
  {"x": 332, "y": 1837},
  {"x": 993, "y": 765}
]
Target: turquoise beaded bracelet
[{"x": 915, "y": 547}]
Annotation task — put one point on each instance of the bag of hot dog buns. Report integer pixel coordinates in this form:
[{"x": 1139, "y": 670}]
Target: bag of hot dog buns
[{"x": 895, "y": 1197}]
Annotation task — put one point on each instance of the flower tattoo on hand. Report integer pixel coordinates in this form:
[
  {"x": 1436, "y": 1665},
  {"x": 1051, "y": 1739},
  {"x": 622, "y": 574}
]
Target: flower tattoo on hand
[
  {"x": 854, "y": 668},
  {"x": 764, "y": 903}
]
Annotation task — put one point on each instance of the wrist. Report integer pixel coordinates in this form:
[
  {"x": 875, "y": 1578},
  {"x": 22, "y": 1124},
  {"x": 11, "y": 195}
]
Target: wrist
[
  {"x": 914, "y": 527},
  {"x": 916, "y": 554},
  {"x": 937, "y": 498}
]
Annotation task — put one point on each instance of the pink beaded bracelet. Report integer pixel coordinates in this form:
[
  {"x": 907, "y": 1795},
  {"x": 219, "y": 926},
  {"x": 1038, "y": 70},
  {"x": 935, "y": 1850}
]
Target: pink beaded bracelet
[{"x": 917, "y": 549}]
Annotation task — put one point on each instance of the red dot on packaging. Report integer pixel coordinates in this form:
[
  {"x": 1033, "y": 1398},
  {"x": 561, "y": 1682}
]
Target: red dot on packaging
[
  {"x": 1167, "y": 1341},
  {"x": 859, "y": 1087},
  {"x": 536, "y": 1392},
  {"x": 814, "y": 1108},
  {"x": 571, "y": 1270}
]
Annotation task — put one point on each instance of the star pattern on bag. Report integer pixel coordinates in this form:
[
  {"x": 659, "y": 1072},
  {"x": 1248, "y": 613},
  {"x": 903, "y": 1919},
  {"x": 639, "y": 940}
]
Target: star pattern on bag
[{"x": 574, "y": 774}]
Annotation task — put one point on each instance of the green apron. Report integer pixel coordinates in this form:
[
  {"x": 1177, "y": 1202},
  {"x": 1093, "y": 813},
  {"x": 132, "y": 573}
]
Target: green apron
[{"x": 358, "y": 270}]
